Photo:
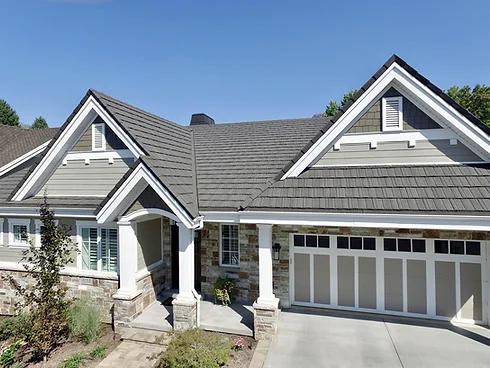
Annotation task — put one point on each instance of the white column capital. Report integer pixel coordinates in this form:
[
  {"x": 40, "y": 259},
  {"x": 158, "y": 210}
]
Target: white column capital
[{"x": 265, "y": 226}]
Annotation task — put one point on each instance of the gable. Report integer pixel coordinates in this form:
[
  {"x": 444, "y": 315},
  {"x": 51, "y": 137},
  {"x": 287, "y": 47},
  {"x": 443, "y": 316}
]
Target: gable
[
  {"x": 85, "y": 144},
  {"x": 148, "y": 199},
  {"x": 457, "y": 125}
]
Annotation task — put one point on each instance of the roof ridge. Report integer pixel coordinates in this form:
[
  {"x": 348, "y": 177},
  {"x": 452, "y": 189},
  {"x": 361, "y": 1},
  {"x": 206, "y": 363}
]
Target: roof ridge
[{"x": 254, "y": 122}]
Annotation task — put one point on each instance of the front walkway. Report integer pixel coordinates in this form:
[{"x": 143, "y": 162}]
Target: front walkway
[{"x": 321, "y": 338}]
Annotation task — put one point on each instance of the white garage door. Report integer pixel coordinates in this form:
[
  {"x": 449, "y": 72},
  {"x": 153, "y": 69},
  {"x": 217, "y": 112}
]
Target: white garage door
[{"x": 430, "y": 278}]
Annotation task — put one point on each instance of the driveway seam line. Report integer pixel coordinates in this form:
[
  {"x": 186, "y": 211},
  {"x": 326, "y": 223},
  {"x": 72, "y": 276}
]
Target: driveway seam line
[{"x": 393, "y": 343}]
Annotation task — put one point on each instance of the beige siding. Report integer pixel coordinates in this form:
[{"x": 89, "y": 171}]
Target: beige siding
[
  {"x": 445, "y": 289},
  {"x": 149, "y": 243},
  {"x": 302, "y": 278},
  {"x": 439, "y": 151},
  {"x": 471, "y": 291},
  {"x": 367, "y": 282},
  {"x": 416, "y": 287},
  {"x": 345, "y": 271},
  {"x": 76, "y": 178},
  {"x": 321, "y": 279},
  {"x": 393, "y": 285},
  {"x": 148, "y": 199},
  {"x": 84, "y": 144}
]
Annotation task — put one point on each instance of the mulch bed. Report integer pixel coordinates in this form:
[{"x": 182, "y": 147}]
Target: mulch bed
[
  {"x": 242, "y": 358},
  {"x": 108, "y": 339}
]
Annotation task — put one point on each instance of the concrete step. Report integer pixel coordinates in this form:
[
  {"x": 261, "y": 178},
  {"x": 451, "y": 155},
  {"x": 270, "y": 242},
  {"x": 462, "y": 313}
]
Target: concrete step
[{"x": 145, "y": 336}]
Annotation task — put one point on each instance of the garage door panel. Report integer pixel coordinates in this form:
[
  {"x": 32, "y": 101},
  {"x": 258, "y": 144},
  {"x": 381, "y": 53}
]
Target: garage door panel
[
  {"x": 367, "y": 282},
  {"x": 302, "y": 278},
  {"x": 321, "y": 279},
  {"x": 345, "y": 277},
  {"x": 445, "y": 289},
  {"x": 393, "y": 285},
  {"x": 471, "y": 291},
  {"x": 416, "y": 286}
]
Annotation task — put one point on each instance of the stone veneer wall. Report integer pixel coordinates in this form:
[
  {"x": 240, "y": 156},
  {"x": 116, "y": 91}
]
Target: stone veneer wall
[
  {"x": 97, "y": 289},
  {"x": 247, "y": 274}
]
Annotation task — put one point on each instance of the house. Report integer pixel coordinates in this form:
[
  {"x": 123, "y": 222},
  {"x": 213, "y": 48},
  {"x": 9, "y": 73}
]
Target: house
[{"x": 382, "y": 208}]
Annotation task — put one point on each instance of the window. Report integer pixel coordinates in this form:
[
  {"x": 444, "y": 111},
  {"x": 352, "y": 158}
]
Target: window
[
  {"x": 404, "y": 245},
  {"x": 311, "y": 241},
  {"x": 392, "y": 113},
  {"x": 458, "y": 247},
  {"x": 98, "y": 137},
  {"x": 99, "y": 248},
  {"x": 230, "y": 248},
  {"x": 356, "y": 243},
  {"x": 19, "y": 230}
]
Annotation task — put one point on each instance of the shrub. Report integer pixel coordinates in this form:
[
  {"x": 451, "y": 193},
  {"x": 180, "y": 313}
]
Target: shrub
[
  {"x": 223, "y": 289},
  {"x": 18, "y": 326},
  {"x": 85, "y": 320},
  {"x": 98, "y": 352},
  {"x": 196, "y": 349},
  {"x": 8, "y": 354},
  {"x": 73, "y": 361}
]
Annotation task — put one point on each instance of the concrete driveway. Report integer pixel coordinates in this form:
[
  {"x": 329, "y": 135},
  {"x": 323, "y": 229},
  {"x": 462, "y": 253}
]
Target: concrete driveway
[{"x": 317, "y": 338}]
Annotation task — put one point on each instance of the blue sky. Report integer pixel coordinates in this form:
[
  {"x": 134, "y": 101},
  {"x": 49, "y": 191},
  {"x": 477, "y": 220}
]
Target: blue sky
[{"x": 234, "y": 60}]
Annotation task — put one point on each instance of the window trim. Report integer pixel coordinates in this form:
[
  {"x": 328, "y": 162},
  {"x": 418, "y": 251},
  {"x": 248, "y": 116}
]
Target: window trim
[
  {"x": 22, "y": 222},
  {"x": 2, "y": 222},
  {"x": 384, "y": 101},
  {"x": 37, "y": 231},
  {"x": 93, "y": 224},
  {"x": 103, "y": 148},
  {"x": 221, "y": 264}
]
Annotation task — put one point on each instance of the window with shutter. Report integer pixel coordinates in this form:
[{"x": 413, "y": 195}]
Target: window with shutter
[
  {"x": 99, "y": 249},
  {"x": 392, "y": 113},
  {"x": 98, "y": 137},
  {"x": 109, "y": 249},
  {"x": 89, "y": 248}
]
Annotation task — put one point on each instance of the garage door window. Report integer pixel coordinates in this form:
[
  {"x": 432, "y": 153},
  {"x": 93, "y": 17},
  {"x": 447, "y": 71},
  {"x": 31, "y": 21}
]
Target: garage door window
[
  {"x": 404, "y": 245},
  {"x": 311, "y": 241},
  {"x": 457, "y": 247},
  {"x": 356, "y": 243}
]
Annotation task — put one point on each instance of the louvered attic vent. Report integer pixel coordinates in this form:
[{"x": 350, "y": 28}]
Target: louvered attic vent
[
  {"x": 98, "y": 137},
  {"x": 392, "y": 113}
]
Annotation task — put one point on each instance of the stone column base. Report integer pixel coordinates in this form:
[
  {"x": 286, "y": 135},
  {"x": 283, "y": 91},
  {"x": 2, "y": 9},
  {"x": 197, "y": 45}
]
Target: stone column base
[
  {"x": 125, "y": 310},
  {"x": 185, "y": 314},
  {"x": 266, "y": 317}
]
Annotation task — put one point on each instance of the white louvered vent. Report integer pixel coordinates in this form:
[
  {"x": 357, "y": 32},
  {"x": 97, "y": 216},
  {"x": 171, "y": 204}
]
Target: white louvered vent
[
  {"x": 392, "y": 113},
  {"x": 98, "y": 137}
]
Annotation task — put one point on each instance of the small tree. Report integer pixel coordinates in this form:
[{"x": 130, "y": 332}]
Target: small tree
[
  {"x": 45, "y": 298},
  {"x": 39, "y": 123},
  {"x": 333, "y": 107},
  {"x": 476, "y": 100},
  {"x": 8, "y": 116}
]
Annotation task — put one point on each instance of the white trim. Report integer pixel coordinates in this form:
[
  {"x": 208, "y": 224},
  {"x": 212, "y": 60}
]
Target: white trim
[
  {"x": 21, "y": 222},
  {"x": 125, "y": 195},
  {"x": 2, "y": 222},
  {"x": 148, "y": 211},
  {"x": 403, "y": 80},
  {"x": 370, "y": 220},
  {"x": 75, "y": 129},
  {"x": 34, "y": 212},
  {"x": 94, "y": 131},
  {"x": 384, "y": 102},
  {"x": 221, "y": 264},
  {"x": 99, "y": 155},
  {"x": 412, "y": 135},
  {"x": 20, "y": 160},
  {"x": 405, "y": 164},
  {"x": 93, "y": 224}
]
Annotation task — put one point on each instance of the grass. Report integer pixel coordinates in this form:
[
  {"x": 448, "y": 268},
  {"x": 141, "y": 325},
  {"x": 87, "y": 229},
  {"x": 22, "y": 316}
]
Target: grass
[
  {"x": 73, "y": 361},
  {"x": 85, "y": 320},
  {"x": 98, "y": 352}
]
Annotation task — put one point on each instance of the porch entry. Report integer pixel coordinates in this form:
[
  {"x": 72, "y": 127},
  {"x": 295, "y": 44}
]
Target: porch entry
[
  {"x": 174, "y": 235},
  {"x": 429, "y": 278}
]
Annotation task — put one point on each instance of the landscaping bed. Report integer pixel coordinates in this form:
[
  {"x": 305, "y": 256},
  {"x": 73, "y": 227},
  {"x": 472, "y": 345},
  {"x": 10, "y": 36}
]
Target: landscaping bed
[{"x": 242, "y": 358}]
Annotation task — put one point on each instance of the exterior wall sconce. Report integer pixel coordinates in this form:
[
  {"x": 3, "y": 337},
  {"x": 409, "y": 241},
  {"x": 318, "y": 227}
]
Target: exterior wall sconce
[{"x": 276, "y": 248}]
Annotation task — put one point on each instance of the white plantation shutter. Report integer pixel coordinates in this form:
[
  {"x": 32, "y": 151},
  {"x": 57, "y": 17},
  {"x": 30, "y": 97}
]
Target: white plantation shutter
[
  {"x": 89, "y": 248},
  {"x": 109, "y": 249},
  {"x": 392, "y": 113},
  {"x": 98, "y": 137}
]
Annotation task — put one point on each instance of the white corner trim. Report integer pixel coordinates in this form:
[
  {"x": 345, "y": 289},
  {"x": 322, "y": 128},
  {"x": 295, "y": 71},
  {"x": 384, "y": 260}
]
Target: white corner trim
[
  {"x": 110, "y": 210},
  {"x": 369, "y": 220},
  {"x": 402, "y": 78},
  {"x": 20, "y": 160},
  {"x": 84, "y": 117}
]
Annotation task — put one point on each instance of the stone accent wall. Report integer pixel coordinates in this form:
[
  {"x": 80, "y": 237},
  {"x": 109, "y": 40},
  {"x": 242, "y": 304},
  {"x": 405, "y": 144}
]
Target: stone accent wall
[
  {"x": 185, "y": 314},
  {"x": 99, "y": 290},
  {"x": 266, "y": 319},
  {"x": 247, "y": 274}
]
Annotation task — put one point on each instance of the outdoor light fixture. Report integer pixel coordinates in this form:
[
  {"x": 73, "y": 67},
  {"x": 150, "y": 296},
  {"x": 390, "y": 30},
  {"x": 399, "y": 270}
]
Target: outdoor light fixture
[{"x": 276, "y": 248}]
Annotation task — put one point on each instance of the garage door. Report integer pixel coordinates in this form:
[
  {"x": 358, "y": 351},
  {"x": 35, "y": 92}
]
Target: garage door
[{"x": 430, "y": 278}]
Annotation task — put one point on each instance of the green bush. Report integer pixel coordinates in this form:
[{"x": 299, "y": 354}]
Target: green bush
[
  {"x": 85, "y": 320},
  {"x": 18, "y": 326},
  {"x": 98, "y": 352},
  {"x": 196, "y": 349},
  {"x": 8, "y": 355},
  {"x": 223, "y": 289},
  {"x": 73, "y": 361}
]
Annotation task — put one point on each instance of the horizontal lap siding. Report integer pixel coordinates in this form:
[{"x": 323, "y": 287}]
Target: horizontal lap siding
[
  {"x": 439, "y": 151},
  {"x": 76, "y": 178},
  {"x": 149, "y": 243}
]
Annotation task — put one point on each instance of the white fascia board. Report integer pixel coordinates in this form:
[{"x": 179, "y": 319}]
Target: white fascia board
[
  {"x": 84, "y": 117},
  {"x": 124, "y": 197},
  {"x": 369, "y": 220},
  {"x": 373, "y": 93},
  {"x": 20, "y": 160},
  {"x": 34, "y": 212},
  {"x": 99, "y": 155}
]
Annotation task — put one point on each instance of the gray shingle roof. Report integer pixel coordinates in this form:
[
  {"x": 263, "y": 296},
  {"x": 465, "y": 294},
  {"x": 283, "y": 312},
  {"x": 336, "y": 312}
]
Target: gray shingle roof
[
  {"x": 444, "y": 189},
  {"x": 236, "y": 161}
]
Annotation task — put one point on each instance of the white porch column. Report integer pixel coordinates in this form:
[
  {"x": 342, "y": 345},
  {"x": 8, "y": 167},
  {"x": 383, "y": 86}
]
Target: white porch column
[
  {"x": 266, "y": 294},
  {"x": 186, "y": 263},
  {"x": 127, "y": 254}
]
